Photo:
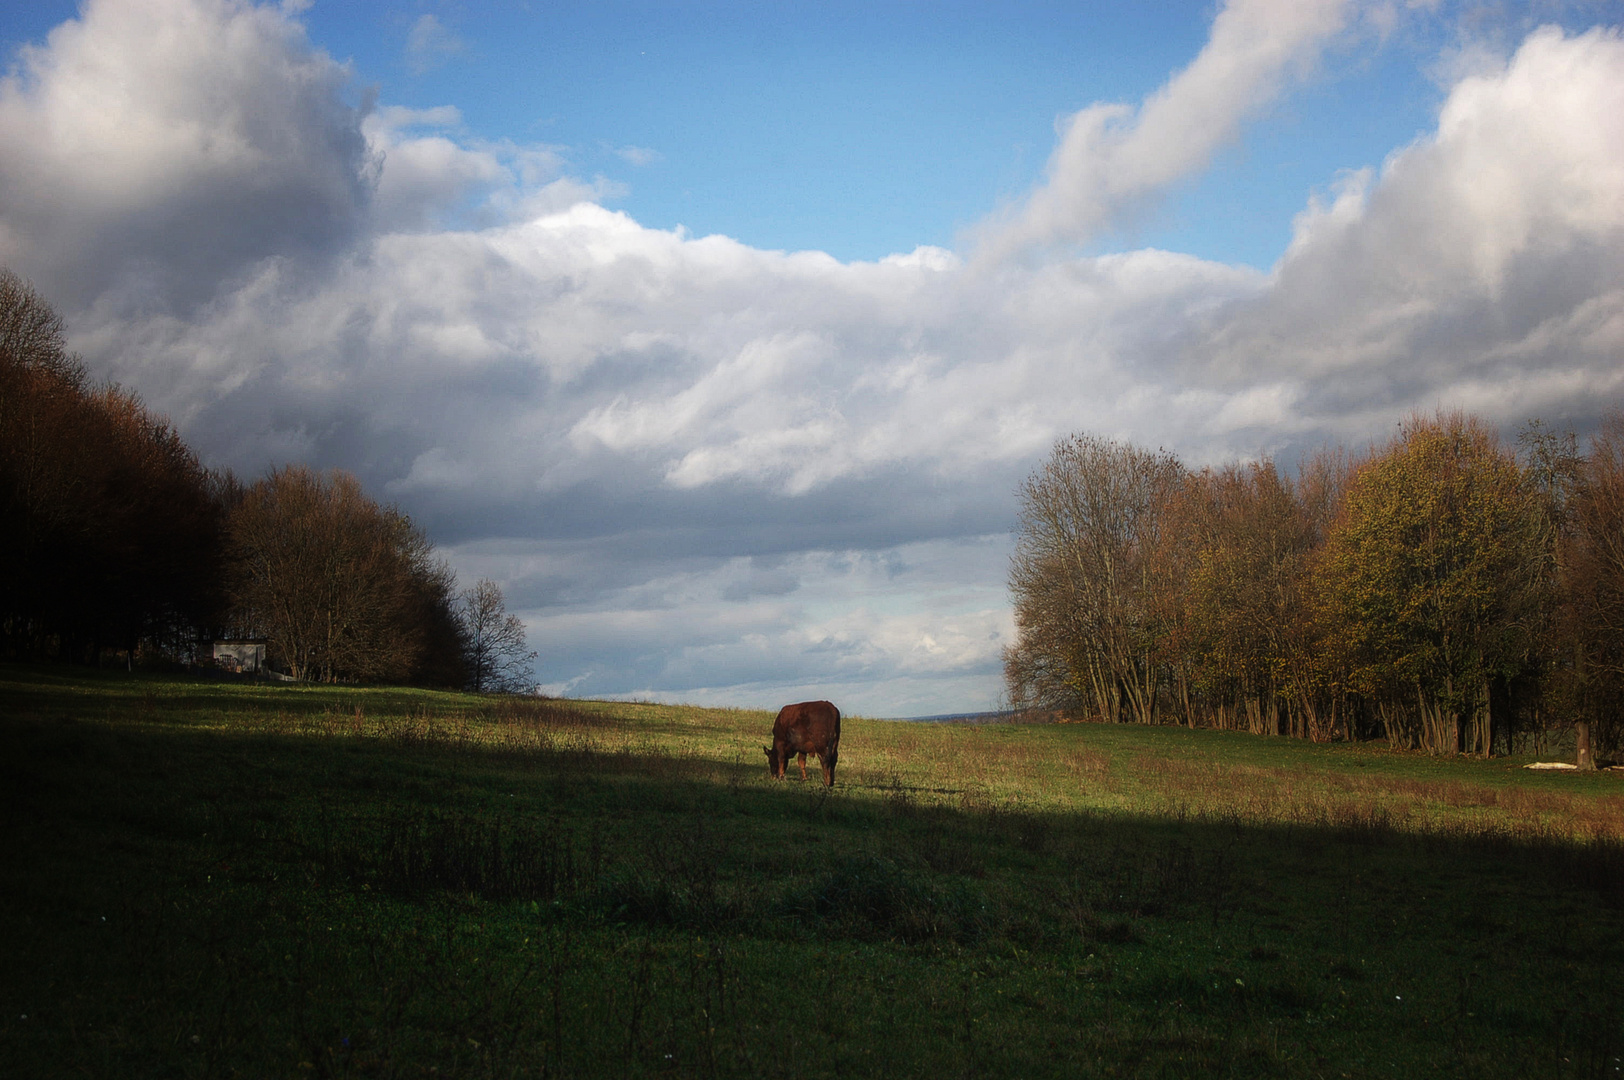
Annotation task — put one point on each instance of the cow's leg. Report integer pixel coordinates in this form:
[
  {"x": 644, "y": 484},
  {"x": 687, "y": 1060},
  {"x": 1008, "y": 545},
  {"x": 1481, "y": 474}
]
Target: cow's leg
[
  {"x": 828, "y": 762},
  {"x": 803, "y": 766}
]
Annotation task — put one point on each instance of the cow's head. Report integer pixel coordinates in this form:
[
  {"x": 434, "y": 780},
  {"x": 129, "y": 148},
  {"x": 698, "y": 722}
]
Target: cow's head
[{"x": 775, "y": 767}]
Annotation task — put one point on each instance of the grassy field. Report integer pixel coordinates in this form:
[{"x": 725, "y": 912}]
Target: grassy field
[{"x": 224, "y": 879}]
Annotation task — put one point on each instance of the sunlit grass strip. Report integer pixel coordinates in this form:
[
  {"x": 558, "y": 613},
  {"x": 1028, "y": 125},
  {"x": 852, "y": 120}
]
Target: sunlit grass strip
[{"x": 1125, "y": 769}]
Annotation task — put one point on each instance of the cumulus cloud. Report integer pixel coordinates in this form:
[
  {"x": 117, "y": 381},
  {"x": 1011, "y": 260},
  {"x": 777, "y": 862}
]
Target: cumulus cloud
[
  {"x": 1112, "y": 156},
  {"x": 708, "y": 471},
  {"x": 1484, "y": 267},
  {"x": 155, "y": 150},
  {"x": 158, "y": 146},
  {"x": 430, "y": 174}
]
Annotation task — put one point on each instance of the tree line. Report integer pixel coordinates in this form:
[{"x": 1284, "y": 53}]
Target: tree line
[
  {"x": 1443, "y": 591},
  {"x": 116, "y": 540}
]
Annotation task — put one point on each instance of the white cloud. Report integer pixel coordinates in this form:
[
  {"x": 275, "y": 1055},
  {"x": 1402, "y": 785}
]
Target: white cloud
[
  {"x": 637, "y": 155},
  {"x": 1489, "y": 254},
  {"x": 708, "y": 632},
  {"x": 430, "y": 174},
  {"x": 1113, "y": 156},
  {"x": 430, "y": 44},
  {"x": 159, "y": 145}
]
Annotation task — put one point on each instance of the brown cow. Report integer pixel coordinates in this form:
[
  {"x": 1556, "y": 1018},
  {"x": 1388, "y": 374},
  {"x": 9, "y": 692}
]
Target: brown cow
[{"x": 811, "y": 727}]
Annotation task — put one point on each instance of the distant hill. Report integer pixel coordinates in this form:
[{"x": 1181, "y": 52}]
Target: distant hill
[{"x": 999, "y": 716}]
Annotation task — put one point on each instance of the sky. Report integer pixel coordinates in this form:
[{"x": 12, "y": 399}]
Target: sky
[{"x": 722, "y": 335}]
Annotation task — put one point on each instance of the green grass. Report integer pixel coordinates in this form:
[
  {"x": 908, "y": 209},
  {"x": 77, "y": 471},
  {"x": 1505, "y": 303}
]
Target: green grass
[{"x": 204, "y": 879}]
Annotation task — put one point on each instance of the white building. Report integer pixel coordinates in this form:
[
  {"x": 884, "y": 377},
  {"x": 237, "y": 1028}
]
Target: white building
[{"x": 245, "y": 657}]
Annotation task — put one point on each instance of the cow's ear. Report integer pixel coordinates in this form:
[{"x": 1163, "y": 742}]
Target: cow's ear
[{"x": 767, "y": 750}]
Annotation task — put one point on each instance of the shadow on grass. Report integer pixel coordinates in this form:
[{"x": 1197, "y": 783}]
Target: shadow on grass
[
  {"x": 201, "y": 902},
  {"x": 410, "y": 815}
]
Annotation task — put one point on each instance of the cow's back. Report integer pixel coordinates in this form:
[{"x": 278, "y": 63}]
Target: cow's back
[{"x": 809, "y": 726}]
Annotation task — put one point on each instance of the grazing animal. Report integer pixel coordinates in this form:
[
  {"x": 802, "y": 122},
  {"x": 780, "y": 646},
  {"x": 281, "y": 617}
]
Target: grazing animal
[{"x": 811, "y": 727}]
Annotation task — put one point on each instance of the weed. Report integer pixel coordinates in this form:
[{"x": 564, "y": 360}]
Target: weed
[{"x": 872, "y": 898}]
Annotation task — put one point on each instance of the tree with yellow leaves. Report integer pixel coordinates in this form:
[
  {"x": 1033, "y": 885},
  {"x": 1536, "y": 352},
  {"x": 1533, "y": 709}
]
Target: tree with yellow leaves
[{"x": 1430, "y": 582}]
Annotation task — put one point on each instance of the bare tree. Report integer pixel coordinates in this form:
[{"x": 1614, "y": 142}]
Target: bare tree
[
  {"x": 1090, "y": 585},
  {"x": 1248, "y": 537},
  {"x": 31, "y": 332},
  {"x": 497, "y": 660},
  {"x": 337, "y": 583},
  {"x": 1588, "y": 687}
]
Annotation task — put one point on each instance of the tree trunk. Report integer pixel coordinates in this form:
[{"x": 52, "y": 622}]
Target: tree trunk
[{"x": 1581, "y": 737}]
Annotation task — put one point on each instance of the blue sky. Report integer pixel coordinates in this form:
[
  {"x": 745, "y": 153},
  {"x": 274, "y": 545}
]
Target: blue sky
[
  {"x": 774, "y": 454},
  {"x": 859, "y": 129},
  {"x": 866, "y": 129}
]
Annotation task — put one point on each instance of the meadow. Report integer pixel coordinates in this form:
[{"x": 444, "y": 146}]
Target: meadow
[{"x": 230, "y": 879}]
